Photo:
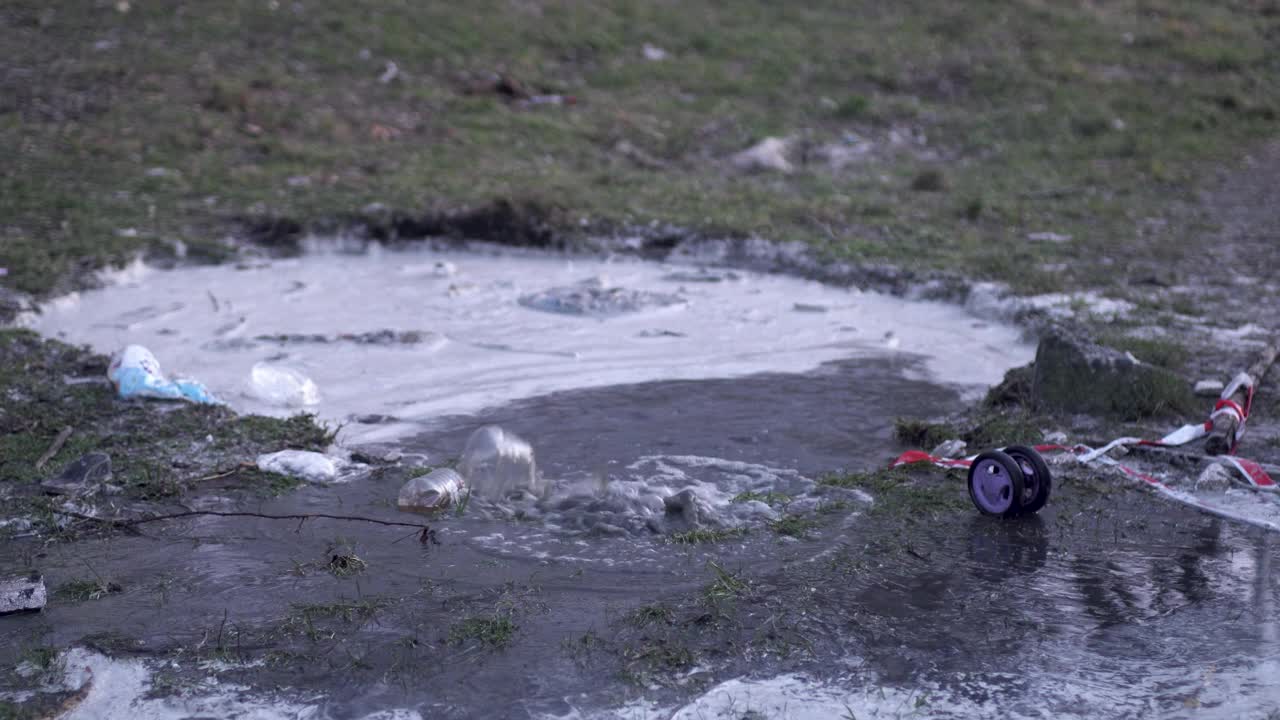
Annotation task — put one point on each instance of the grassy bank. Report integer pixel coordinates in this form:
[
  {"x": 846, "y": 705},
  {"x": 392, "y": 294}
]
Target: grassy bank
[
  {"x": 923, "y": 133},
  {"x": 159, "y": 452}
]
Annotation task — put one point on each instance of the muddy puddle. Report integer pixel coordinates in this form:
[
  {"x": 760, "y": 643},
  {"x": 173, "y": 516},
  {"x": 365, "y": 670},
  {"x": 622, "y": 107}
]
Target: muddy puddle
[{"x": 581, "y": 602}]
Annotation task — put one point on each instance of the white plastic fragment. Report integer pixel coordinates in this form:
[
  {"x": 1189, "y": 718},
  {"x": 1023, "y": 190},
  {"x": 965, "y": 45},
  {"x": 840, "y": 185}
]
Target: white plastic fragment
[
  {"x": 18, "y": 594},
  {"x": 954, "y": 447},
  {"x": 497, "y": 463},
  {"x": 1209, "y": 388},
  {"x": 653, "y": 53},
  {"x": 310, "y": 466},
  {"x": 136, "y": 373},
  {"x": 1051, "y": 237},
  {"x": 437, "y": 489},
  {"x": 768, "y": 154},
  {"x": 281, "y": 385}
]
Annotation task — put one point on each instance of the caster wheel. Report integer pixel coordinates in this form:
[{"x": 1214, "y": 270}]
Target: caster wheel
[
  {"x": 996, "y": 484},
  {"x": 1036, "y": 481}
]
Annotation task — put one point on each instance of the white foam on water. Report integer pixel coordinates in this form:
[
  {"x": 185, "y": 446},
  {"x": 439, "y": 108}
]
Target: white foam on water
[
  {"x": 121, "y": 688},
  {"x": 204, "y": 322},
  {"x": 1150, "y": 692},
  {"x": 612, "y": 512}
]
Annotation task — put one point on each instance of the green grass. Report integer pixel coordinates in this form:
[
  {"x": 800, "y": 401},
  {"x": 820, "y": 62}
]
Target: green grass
[
  {"x": 914, "y": 492},
  {"x": 706, "y": 535},
  {"x": 1164, "y": 353},
  {"x": 725, "y": 585},
  {"x": 768, "y": 498},
  {"x": 85, "y": 589},
  {"x": 494, "y": 632},
  {"x": 131, "y": 130},
  {"x": 158, "y": 451},
  {"x": 795, "y": 526},
  {"x": 656, "y": 614},
  {"x": 922, "y": 434}
]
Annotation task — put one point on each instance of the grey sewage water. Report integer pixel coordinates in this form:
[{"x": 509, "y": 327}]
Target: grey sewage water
[{"x": 1111, "y": 605}]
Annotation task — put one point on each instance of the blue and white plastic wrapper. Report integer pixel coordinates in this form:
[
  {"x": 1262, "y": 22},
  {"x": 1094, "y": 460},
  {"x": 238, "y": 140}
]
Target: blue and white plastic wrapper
[{"x": 136, "y": 373}]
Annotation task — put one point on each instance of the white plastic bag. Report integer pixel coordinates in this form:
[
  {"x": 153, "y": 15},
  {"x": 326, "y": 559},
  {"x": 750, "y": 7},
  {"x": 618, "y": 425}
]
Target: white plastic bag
[
  {"x": 136, "y": 373},
  {"x": 283, "y": 386},
  {"x": 310, "y": 466}
]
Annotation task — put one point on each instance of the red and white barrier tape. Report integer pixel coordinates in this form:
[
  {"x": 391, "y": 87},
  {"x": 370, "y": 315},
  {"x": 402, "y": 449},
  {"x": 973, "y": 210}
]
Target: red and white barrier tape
[{"x": 1250, "y": 472}]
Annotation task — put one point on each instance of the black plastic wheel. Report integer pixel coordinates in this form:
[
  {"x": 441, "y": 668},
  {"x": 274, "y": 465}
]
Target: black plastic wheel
[
  {"x": 1037, "y": 481},
  {"x": 996, "y": 484}
]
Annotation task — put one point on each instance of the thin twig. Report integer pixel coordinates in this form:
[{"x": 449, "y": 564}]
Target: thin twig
[
  {"x": 223, "y": 474},
  {"x": 58, "y": 442}
]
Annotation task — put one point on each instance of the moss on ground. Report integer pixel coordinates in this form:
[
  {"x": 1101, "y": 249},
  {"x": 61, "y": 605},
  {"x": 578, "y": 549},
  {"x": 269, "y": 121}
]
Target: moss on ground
[
  {"x": 133, "y": 129},
  {"x": 913, "y": 492},
  {"x": 159, "y": 451}
]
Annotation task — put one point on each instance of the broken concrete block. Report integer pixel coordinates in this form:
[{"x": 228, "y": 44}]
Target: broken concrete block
[
  {"x": 22, "y": 594},
  {"x": 1074, "y": 374}
]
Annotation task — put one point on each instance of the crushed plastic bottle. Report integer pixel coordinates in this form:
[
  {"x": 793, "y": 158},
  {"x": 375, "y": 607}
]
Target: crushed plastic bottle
[
  {"x": 136, "y": 373},
  {"x": 310, "y": 466},
  {"x": 281, "y": 385},
  {"x": 436, "y": 490},
  {"x": 497, "y": 463}
]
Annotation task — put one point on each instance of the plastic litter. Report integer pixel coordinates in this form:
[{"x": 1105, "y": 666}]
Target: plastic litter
[
  {"x": 310, "y": 466},
  {"x": 136, "y": 373},
  {"x": 497, "y": 463},
  {"x": 436, "y": 490},
  {"x": 950, "y": 448},
  {"x": 82, "y": 477},
  {"x": 281, "y": 385}
]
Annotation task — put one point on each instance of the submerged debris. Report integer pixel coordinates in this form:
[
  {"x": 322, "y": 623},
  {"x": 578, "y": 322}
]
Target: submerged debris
[
  {"x": 22, "y": 594},
  {"x": 592, "y": 298},
  {"x": 375, "y": 337}
]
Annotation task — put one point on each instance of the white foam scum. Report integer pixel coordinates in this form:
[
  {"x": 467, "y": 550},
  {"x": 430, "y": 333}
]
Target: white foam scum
[
  {"x": 107, "y": 687},
  {"x": 477, "y": 345}
]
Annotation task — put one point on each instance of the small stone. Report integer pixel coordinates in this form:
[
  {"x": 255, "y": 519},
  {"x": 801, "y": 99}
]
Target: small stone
[
  {"x": 1209, "y": 388},
  {"x": 22, "y": 594},
  {"x": 1076, "y": 375},
  {"x": 1057, "y": 437},
  {"x": 1214, "y": 478},
  {"x": 392, "y": 456}
]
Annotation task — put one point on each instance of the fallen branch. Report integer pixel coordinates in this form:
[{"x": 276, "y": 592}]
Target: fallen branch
[
  {"x": 426, "y": 534},
  {"x": 58, "y": 442},
  {"x": 1222, "y": 438}
]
